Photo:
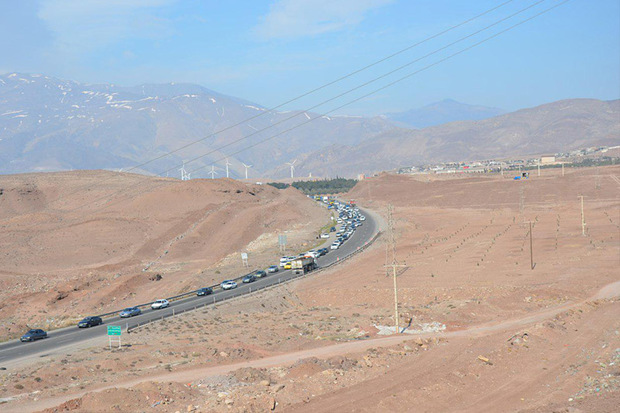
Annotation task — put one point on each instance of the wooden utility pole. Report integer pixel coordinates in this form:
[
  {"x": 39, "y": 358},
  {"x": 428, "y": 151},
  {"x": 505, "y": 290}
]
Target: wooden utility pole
[{"x": 583, "y": 218}]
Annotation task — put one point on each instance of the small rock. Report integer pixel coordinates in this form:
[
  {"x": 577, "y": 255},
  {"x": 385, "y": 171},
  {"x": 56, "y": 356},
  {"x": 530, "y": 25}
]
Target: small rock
[
  {"x": 223, "y": 354},
  {"x": 265, "y": 383},
  {"x": 407, "y": 348},
  {"x": 278, "y": 388},
  {"x": 190, "y": 408},
  {"x": 229, "y": 402}
]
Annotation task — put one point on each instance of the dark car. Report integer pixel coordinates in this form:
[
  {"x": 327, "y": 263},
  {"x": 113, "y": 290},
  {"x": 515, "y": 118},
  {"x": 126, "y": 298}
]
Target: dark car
[
  {"x": 90, "y": 322},
  {"x": 249, "y": 278},
  {"x": 205, "y": 291},
  {"x": 332, "y": 229},
  {"x": 323, "y": 251},
  {"x": 260, "y": 274},
  {"x": 34, "y": 334}
]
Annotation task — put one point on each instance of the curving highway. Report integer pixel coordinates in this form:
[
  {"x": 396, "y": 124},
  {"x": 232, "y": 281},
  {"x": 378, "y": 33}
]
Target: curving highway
[{"x": 57, "y": 339}]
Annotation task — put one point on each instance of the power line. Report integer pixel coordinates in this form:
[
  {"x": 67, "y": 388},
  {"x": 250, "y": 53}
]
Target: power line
[
  {"x": 348, "y": 75},
  {"x": 372, "y": 92},
  {"x": 362, "y": 69},
  {"x": 361, "y": 85},
  {"x": 387, "y": 85}
]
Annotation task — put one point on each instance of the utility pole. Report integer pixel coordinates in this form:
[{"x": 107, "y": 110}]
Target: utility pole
[
  {"x": 562, "y": 168},
  {"x": 539, "y": 167},
  {"x": 531, "y": 248},
  {"x": 583, "y": 218},
  {"x": 394, "y": 265}
]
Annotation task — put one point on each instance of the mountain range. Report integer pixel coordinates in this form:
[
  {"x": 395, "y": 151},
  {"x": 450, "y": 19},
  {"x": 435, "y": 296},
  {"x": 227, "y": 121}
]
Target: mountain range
[
  {"x": 555, "y": 127},
  {"x": 48, "y": 124},
  {"x": 438, "y": 113}
]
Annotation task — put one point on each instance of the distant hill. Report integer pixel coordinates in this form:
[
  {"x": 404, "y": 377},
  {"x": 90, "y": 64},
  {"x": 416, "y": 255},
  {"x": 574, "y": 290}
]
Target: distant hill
[
  {"x": 445, "y": 111},
  {"x": 555, "y": 127},
  {"x": 48, "y": 124}
]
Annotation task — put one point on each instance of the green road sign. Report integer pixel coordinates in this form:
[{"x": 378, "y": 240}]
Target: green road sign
[{"x": 114, "y": 330}]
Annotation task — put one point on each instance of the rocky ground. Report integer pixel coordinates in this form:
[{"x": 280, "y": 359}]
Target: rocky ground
[{"x": 483, "y": 330}]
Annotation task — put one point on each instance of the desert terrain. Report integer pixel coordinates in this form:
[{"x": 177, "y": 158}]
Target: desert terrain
[
  {"x": 88, "y": 242},
  {"x": 483, "y": 330}
]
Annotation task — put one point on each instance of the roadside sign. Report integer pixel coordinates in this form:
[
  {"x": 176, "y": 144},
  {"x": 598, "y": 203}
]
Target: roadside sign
[
  {"x": 244, "y": 258},
  {"x": 114, "y": 330}
]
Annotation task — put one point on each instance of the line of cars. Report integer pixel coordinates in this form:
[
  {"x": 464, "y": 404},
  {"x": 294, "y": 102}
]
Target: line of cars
[{"x": 349, "y": 219}]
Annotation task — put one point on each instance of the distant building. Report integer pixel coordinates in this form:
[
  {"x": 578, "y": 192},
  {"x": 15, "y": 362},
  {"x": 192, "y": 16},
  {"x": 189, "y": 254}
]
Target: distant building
[{"x": 361, "y": 177}]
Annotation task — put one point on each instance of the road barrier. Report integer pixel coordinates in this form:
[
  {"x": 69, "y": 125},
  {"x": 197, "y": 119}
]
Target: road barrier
[
  {"x": 214, "y": 287},
  {"x": 216, "y": 300}
]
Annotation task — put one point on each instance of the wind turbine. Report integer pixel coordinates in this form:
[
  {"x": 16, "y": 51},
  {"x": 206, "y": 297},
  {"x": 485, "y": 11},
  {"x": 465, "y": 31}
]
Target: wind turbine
[
  {"x": 184, "y": 175},
  {"x": 227, "y": 163},
  {"x": 292, "y": 165},
  {"x": 246, "y": 169},
  {"x": 212, "y": 172}
]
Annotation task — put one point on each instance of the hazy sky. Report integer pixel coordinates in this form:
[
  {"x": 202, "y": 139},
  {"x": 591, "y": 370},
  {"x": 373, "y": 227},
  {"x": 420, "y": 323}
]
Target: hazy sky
[{"x": 271, "y": 51}]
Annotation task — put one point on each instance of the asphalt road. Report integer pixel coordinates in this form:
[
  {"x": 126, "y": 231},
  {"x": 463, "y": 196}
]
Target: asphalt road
[{"x": 57, "y": 339}]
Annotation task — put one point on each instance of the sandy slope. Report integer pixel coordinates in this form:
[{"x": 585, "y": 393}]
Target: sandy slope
[{"x": 74, "y": 243}]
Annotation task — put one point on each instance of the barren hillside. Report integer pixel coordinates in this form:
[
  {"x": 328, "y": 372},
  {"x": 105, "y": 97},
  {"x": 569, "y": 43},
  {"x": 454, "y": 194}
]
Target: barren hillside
[
  {"x": 483, "y": 331},
  {"x": 77, "y": 243}
]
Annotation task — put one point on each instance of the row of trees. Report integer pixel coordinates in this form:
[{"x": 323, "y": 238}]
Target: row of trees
[{"x": 322, "y": 187}]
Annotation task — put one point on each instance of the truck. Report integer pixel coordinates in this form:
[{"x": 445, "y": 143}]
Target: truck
[{"x": 303, "y": 265}]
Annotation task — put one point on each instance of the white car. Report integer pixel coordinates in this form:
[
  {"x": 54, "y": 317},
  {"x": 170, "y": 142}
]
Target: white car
[
  {"x": 285, "y": 260},
  {"x": 228, "y": 285},
  {"x": 159, "y": 304},
  {"x": 335, "y": 245},
  {"x": 325, "y": 235},
  {"x": 313, "y": 254}
]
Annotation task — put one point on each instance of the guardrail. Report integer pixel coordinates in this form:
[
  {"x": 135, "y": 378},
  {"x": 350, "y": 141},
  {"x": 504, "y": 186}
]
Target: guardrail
[
  {"x": 214, "y": 287},
  {"x": 215, "y": 300}
]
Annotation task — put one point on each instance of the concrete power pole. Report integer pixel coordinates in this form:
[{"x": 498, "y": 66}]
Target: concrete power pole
[
  {"x": 394, "y": 265},
  {"x": 531, "y": 248},
  {"x": 583, "y": 218}
]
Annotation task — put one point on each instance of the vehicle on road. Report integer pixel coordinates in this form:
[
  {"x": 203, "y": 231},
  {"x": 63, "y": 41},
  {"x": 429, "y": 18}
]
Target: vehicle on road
[
  {"x": 284, "y": 260},
  {"x": 90, "y": 322},
  {"x": 250, "y": 278},
  {"x": 130, "y": 312},
  {"x": 204, "y": 291},
  {"x": 322, "y": 251},
  {"x": 325, "y": 235},
  {"x": 34, "y": 334},
  {"x": 228, "y": 285},
  {"x": 332, "y": 229},
  {"x": 260, "y": 274},
  {"x": 272, "y": 269},
  {"x": 159, "y": 304},
  {"x": 287, "y": 266},
  {"x": 303, "y": 265},
  {"x": 335, "y": 245}
]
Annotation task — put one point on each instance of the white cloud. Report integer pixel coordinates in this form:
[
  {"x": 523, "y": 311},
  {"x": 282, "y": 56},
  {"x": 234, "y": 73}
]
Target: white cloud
[
  {"x": 298, "y": 18},
  {"x": 83, "y": 25}
]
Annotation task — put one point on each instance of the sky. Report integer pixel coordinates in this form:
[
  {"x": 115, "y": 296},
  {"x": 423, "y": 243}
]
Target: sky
[{"x": 270, "y": 52}]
